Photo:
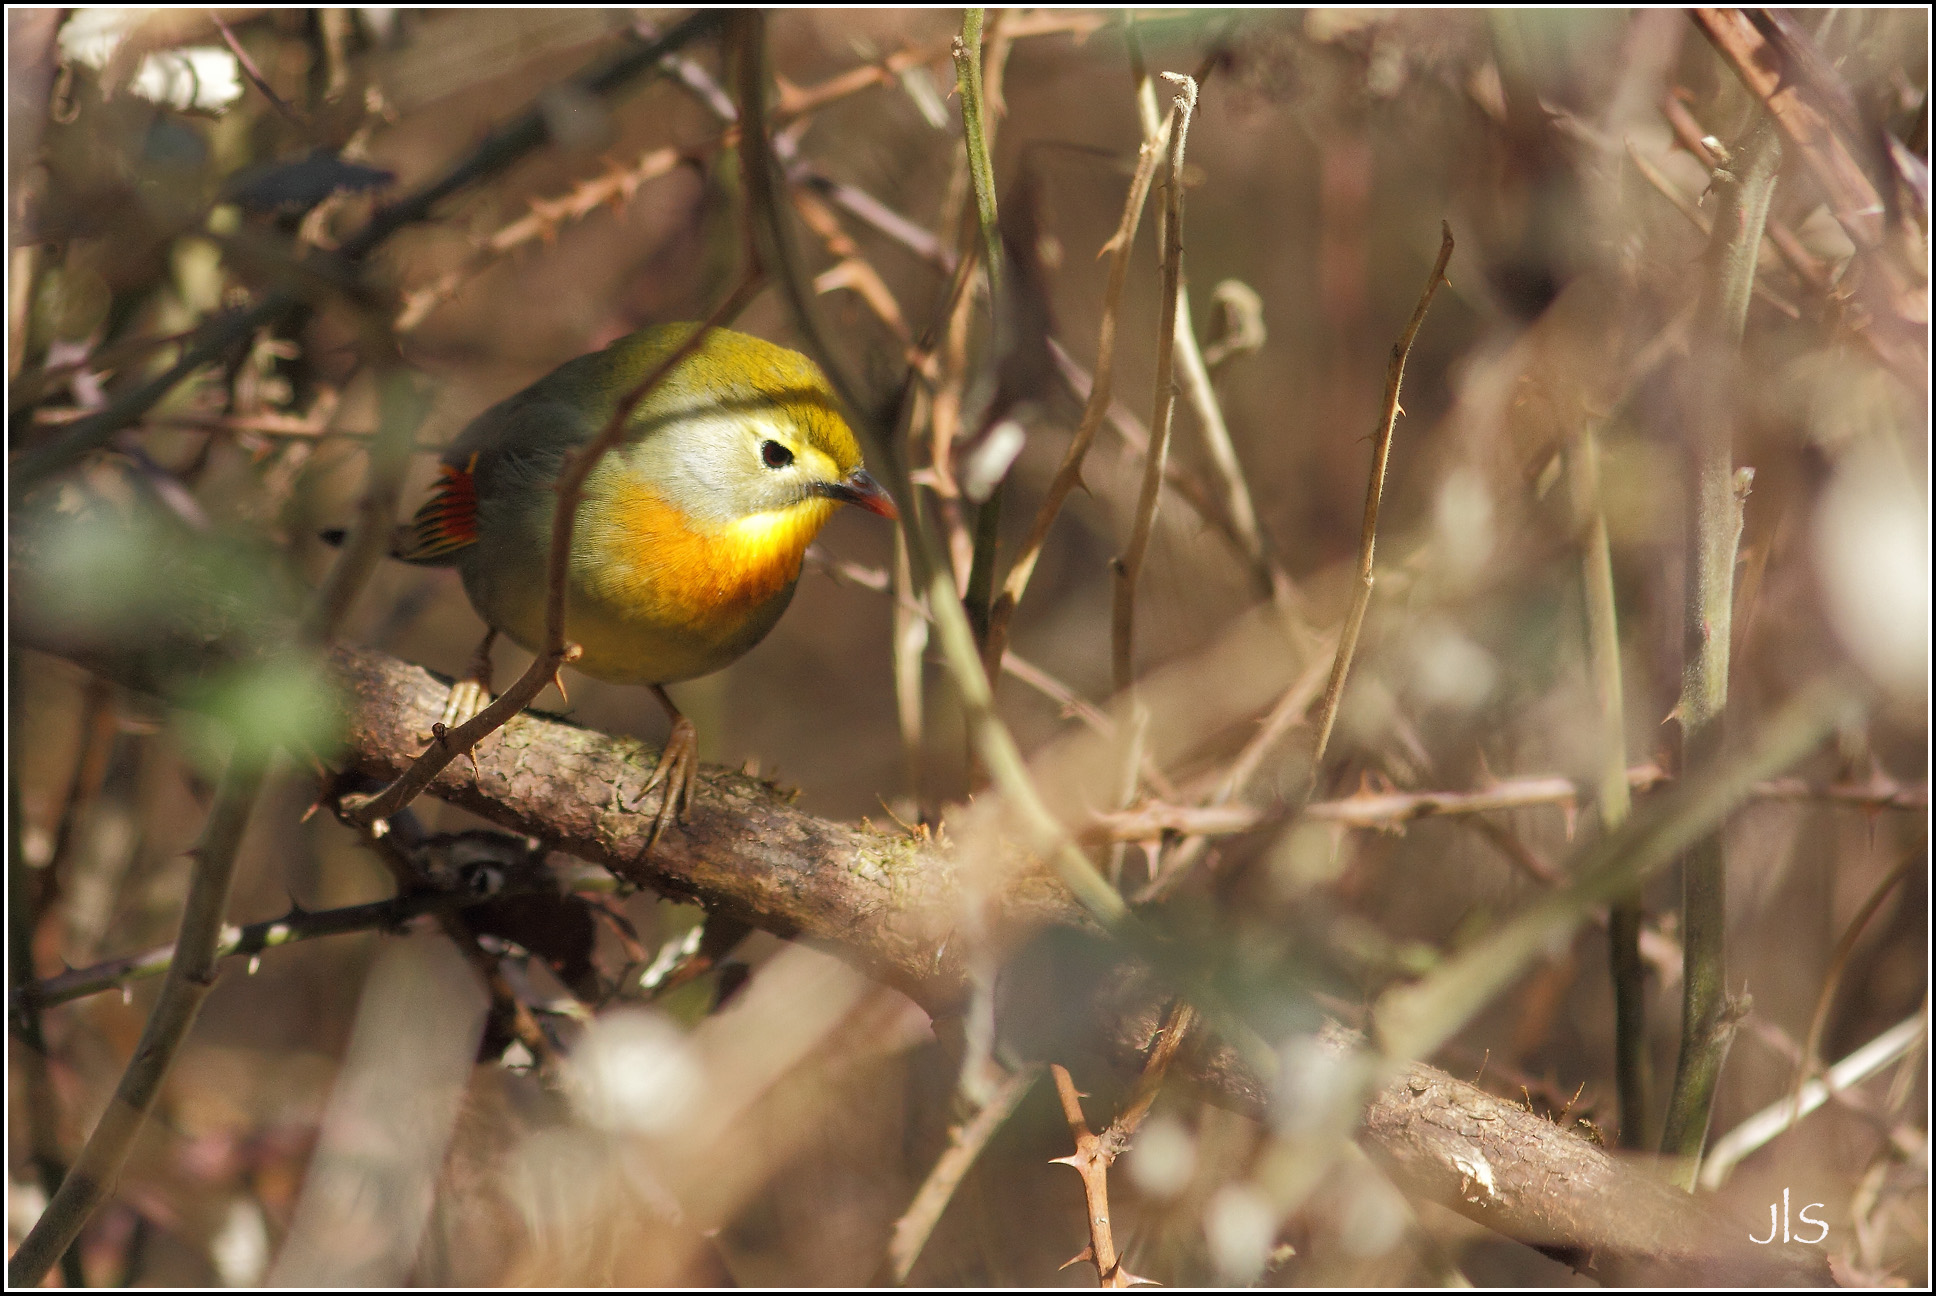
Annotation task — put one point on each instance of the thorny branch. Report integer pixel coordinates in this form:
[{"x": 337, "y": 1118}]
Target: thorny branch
[
  {"x": 1129, "y": 566},
  {"x": 1716, "y": 495},
  {"x": 1095, "y": 1153},
  {"x": 1368, "y": 541},
  {"x": 1239, "y": 513},
  {"x": 1096, "y": 402}
]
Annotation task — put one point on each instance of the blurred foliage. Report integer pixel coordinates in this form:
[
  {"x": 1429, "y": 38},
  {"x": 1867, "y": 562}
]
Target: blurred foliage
[{"x": 154, "y": 187}]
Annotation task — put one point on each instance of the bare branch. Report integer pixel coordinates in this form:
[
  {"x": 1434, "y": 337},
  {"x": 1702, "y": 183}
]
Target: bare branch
[
  {"x": 1368, "y": 540},
  {"x": 1129, "y": 566},
  {"x": 965, "y": 1143}
]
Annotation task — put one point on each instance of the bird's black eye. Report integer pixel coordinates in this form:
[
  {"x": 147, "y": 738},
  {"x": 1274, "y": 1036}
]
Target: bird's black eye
[{"x": 775, "y": 455}]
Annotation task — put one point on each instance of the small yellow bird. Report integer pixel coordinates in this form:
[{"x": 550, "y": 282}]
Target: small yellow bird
[{"x": 690, "y": 535}]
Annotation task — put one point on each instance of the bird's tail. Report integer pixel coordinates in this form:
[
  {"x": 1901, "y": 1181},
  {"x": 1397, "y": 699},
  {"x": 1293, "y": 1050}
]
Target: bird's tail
[{"x": 445, "y": 525}]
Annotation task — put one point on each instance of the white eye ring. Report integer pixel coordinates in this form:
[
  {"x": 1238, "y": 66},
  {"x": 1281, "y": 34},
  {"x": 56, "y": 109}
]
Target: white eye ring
[{"x": 774, "y": 455}]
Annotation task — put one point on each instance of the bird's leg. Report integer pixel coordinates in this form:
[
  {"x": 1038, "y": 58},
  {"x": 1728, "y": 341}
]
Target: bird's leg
[
  {"x": 472, "y": 691},
  {"x": 675, "y": 769}
]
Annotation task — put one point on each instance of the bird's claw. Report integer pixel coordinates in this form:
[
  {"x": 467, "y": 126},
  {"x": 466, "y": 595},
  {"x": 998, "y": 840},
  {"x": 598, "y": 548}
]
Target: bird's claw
[
  {"x": 468, "y": 698},
  {"x": 677, "y": 765},
  {"x": 469, "y": 695}
]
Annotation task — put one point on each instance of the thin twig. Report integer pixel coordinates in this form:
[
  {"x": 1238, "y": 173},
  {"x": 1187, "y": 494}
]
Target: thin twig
[
  {"x": 976, "y": 136},
  {"x": 1875, "y": 795},
  {"x": 1368, "y": 538},
  {"x": 543, "y": 221},
  {"x": 1625, "y": 915},
  {"x": 965, "y": 1144},
  {"x": 1388, "y": 810},
  {"x": 1757, "y": 1130},
  {"x": 1128, "y": 568},
  {"x": 1268, "y": 577},
  {"x": 247, "y": 941},
  {"x": 254, "y": 73},
  {"x": 1096, "y": 402},
  {"x": 793, "y": 101},
  {"x": 1153, "y": 819},
  {"x": 1838, "y": 963},
  {"x": 1714, "y": 503}
]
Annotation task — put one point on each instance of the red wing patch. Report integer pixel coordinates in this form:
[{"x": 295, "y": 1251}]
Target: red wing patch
[{"x": 446, "y": 523}]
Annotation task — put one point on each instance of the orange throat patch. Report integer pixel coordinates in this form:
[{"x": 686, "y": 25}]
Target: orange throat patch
[{"x": 646, "y": 559}]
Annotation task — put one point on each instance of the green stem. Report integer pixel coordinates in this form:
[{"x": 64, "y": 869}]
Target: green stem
[
  {"x": 1713, "y": 531},
  {"x": 974, "y": 125},
  {"x": 1624, "y": 916},
  {"x": 981, "y": 175}
]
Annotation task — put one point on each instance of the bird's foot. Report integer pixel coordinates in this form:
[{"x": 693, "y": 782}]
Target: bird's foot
[
  {"x": 467, "y": 700},
  {"x": 677, "y": 765},
  {"x": 468, "y": 696}
]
